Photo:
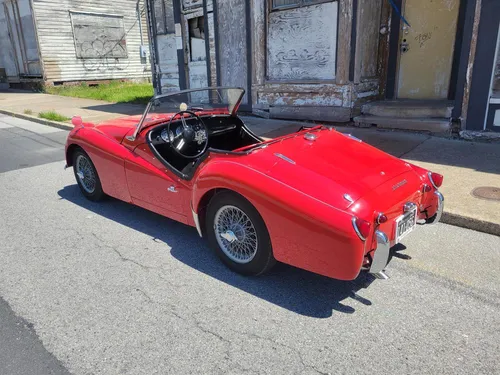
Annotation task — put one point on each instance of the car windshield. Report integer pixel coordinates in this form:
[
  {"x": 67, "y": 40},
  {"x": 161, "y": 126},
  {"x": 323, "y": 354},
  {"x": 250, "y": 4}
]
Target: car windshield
[
  {"x": 213, "y": 100},
  {"x": 219, "y": 100}
]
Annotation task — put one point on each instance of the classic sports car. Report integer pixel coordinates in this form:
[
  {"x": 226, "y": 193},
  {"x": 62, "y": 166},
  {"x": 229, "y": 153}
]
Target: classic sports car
[{"x": 316, "y": 199}]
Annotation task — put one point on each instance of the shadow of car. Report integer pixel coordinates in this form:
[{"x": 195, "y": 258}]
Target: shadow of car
[{"x": 291, "y": 288}]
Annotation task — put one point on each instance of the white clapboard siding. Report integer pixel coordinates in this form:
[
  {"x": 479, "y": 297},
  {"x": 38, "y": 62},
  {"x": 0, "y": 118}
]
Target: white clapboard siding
[{"x": 57, "y": 45}]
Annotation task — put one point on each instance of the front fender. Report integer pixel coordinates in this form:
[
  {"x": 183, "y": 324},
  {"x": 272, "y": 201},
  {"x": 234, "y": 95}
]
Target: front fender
[
  {"x": 108, "y": 157},
  {"x": 305, "y": 232}
]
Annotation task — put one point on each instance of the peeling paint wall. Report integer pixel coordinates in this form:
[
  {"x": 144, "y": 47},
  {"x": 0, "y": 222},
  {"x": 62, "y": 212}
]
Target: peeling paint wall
[
  {"x": 90, "y": 40},
  {"x": 470, "y": 65}
]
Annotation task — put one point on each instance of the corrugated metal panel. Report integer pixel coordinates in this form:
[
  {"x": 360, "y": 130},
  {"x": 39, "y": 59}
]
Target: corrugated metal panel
[{"x": 57, "y": 44}]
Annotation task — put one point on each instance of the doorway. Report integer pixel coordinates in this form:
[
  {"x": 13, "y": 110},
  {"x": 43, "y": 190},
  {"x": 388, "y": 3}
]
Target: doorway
[
  {"x": 22, "y": 37},
  {"x": 426, "y": 49}
]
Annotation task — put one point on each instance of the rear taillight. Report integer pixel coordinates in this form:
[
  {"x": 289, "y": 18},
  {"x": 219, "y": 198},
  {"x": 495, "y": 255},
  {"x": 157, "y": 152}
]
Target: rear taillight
[
  {"x": 436, "y": 179},
  {"x": 381, "y": 218},
  {"x": 361, "y": 227},
  {"x": 426, "y": 188}
]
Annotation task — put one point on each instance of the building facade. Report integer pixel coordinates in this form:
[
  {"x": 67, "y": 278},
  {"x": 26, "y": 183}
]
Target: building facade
[
  {"x": 73, "y": 40},
  {"x": 394, "y": 63}
]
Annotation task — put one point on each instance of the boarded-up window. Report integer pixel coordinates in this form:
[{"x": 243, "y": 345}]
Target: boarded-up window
[
  {"x": 302, "y": 43},
  {"x": 98, "y": 35}
]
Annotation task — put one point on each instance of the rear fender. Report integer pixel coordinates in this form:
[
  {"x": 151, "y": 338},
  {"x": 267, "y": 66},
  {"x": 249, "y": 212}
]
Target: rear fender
[{"x": 304, "y": 231}]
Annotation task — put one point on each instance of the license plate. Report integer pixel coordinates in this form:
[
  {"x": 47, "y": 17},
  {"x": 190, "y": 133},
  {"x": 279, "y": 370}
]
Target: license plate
[{"x": 405, "y": 224}]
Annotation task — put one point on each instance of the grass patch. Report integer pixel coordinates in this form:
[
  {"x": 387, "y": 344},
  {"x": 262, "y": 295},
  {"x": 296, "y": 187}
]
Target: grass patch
[
  {"x": 53, "y": 115},
  {"x": 28, "y": 112},
  {"x": 119, "y": 92}
]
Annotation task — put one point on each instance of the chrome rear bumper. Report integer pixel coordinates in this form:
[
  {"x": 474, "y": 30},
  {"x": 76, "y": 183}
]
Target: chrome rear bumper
[
  {"x": 381, "y": 254},
  {"x": 439, "y": 211}
]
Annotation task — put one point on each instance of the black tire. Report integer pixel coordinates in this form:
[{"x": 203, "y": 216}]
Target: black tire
[
  {"x": 263, "y": 260},
  {"x": 96, "y": 194}
]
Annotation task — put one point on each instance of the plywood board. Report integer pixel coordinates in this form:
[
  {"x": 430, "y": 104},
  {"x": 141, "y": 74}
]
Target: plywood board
[{"x": 302, "y": 43}]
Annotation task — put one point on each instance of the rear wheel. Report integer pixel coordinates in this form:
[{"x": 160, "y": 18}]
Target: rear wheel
[
  {"x": 238, "y": 234},
  {"x": 86, "y": 176}
]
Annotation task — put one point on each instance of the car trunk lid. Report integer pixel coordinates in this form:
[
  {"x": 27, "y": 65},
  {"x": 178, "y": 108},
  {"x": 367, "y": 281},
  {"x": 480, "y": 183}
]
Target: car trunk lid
[{"x": 335, "y": 168}]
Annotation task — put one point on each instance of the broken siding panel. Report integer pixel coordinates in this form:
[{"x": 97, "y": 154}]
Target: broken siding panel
[
  {"x": 57, "y": 44},
  {"x": 367, "y": 39},
  {"x": 302, "y": 95},
  {"x": 302, "y": 43}
]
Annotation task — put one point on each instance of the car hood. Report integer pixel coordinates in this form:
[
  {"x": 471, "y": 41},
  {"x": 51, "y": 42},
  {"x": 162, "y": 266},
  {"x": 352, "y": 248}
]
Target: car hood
[
  {"x": 332, "y": 165},
  {"x": 118, "y": 128}
]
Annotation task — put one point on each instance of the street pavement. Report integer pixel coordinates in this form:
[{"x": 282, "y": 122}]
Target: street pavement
[{"x": 109, "y": 288}]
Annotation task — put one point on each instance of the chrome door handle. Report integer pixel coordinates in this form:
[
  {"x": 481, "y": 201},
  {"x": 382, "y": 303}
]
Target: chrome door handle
[{"x": 172, "y": 189}]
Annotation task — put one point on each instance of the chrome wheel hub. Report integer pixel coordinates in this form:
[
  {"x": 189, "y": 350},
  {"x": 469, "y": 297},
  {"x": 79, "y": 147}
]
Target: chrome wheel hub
[
  {"x": 85, "y": 174},
  {"x": 235, "y": 234}
]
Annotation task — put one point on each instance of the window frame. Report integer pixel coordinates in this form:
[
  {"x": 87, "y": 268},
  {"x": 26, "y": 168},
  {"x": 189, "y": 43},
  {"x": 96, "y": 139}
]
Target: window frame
[{"x": 300, "y": 4}]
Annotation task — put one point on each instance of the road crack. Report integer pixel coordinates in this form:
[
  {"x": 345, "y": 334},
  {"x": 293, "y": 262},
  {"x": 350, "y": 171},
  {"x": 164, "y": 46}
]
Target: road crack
[{"x": 120, "y": 255}]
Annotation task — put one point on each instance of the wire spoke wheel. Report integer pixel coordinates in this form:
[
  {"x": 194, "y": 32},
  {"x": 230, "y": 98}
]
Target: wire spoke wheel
[
  {"x": 85, "y": 174},
  {"x": 235, "y": 234}
]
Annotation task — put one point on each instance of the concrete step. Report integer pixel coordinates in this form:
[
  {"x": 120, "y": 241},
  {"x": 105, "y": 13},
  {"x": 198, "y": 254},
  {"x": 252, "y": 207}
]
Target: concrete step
[
  {"x": 433, "y": 125},
  {"x": 409, "y": 108}
]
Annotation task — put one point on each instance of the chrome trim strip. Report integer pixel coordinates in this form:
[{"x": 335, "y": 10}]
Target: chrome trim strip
[
  {"x": 352, "y": 137},
  {"x": 196, "y": 222},
  {"x": 381, "y": 256},
  {"x": 440, "y": 208},
  {"x": 284, "y": 158},
  {"x": 353, "y": 220},
  {"x": 429, "y": 174},
  {"x": 348, "y": 198}
]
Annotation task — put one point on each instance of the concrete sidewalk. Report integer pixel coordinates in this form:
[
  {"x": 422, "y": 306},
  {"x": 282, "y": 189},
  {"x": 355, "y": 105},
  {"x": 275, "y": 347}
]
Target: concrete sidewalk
[{"x": 465, "y": 165}]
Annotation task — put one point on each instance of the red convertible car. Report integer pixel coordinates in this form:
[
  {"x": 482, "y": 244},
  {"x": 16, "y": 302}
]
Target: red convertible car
[{"x": 316, "y": 199}]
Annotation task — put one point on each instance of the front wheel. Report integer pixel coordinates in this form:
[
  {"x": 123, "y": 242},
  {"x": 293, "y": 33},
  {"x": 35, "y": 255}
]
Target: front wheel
[
  {"x": 238, "y": 234},
  {"x": 86, "y": 176}
]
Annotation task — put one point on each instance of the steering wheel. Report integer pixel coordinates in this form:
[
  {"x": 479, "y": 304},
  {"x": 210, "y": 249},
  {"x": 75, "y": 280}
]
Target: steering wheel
[{"x": 189, "y": 141}]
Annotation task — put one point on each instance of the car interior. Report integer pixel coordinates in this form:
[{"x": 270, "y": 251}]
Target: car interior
[{"x": 225, "y": 134}]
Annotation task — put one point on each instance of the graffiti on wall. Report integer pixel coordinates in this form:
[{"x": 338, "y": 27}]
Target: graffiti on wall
[{"x": 100, "y": 41}]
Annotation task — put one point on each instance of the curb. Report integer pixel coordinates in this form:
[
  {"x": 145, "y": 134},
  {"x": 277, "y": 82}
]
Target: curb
[
  {"x": 471, "y": 223},
  {"x": 54, "y": 124}
]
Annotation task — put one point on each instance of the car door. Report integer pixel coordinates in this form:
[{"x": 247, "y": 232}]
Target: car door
[{"x": 154, "y": 187}]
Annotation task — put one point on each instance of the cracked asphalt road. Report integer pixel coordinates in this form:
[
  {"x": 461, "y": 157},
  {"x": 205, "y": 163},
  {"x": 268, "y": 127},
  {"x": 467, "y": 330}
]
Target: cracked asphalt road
[{"x": 109, "y": 288}]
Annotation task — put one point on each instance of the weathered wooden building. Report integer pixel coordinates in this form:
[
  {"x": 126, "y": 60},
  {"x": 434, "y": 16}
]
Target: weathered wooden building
[
  {"x": 395, "y": 63},
  {"x": 73, "y": 40}
]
